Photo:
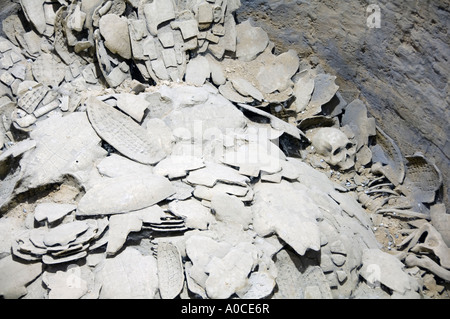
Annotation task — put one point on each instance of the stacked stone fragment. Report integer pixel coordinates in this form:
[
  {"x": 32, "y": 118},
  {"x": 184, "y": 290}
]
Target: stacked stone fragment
[{"x": 203, "y": 164}]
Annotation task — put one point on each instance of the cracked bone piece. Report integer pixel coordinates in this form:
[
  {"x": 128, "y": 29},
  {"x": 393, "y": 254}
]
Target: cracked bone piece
[
  {"x": 52, "y": 260},
  {"x": 425, "y": 262},
  {"x": 201, "y": 112},
  {"x": 159, "y": 130},
  {"x": 217, "y": 74},
  {"x": 138, "y": 31},
  {"x": 149, "y": 48},
  {"x": 160, "y": 105},
  {"x": 13, "y": 29},
  {"x": 50, "y": 14},
  {"x": 255, "y": 157},
  {"x": 204, "y": 15},
  {"x": 433, "y": 242},
  {"x": 192, "y": 284},
  {"x": 169, "y": 58},
  {"x": 364, "y": 156},
  {"x": 160, "y": 69},
  {"x": 183, "y": 191}
]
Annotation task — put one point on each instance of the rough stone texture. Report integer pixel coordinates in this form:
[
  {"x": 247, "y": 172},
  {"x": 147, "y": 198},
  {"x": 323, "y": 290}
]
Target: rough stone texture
[
  {"x": 71, "y": 152},
  {"x": 115, "y": 31},
  {"x": 139, "y": 282},
  {"x": 231, "y": 219},
  {"x": 7, "y": 8},
  {"x": 400, "y": 69},
  {"x": 15, "y": 275},
  {"x": 124, "y": 194}
]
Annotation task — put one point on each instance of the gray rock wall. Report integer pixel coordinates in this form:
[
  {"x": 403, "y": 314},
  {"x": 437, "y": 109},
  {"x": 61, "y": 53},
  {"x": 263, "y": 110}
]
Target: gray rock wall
[
  {"x": 7, "y": 8},
  {"x": 400, "y": 69}
]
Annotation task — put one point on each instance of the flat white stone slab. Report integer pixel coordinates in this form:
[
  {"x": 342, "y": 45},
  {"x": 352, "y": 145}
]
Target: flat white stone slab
[
  {"x": 119, "y": 228},
  {"x": 116, "y": 166},
  {"x": 71, "y": 151},
  {"x": 124, "y": 194},
  {"x": 52, "y": 211},
  {"x": 289, "y": 212},
  {"x": 65, "y": 233},
  {"x": 213, "y": 173},
  {"x": 195, "y": 214},
  {"x": 139, "y": 281},
  {"x": 381, "y": 267},
  {"x": 14, "y": 276},
  {"x": 178, "y": 166},
  {"x": 250, "y": 42}
]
